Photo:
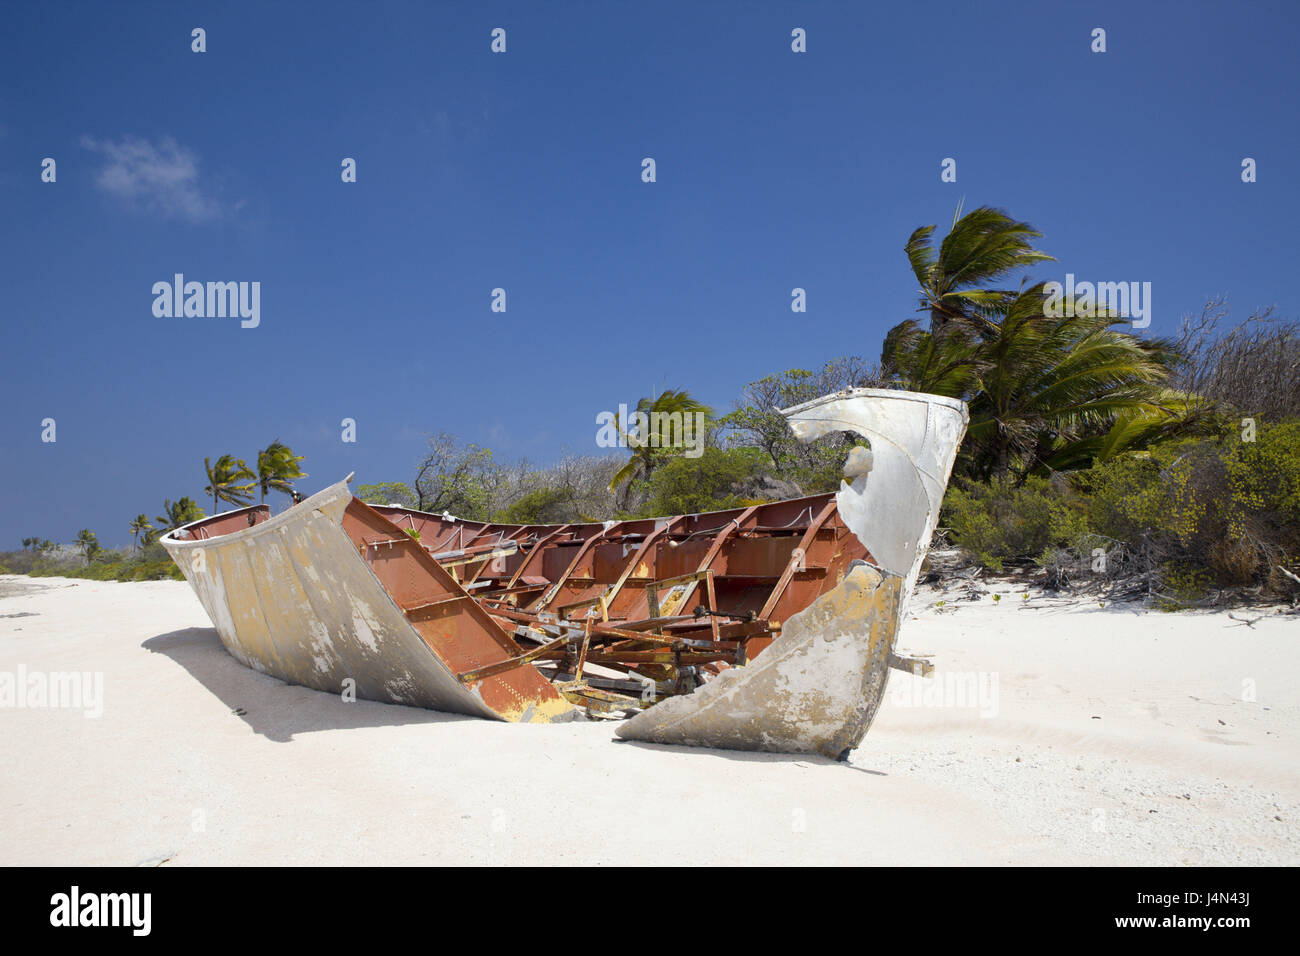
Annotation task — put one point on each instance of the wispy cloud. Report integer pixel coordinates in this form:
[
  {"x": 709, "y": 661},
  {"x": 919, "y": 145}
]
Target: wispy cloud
[{"x": 160, "y": 177}]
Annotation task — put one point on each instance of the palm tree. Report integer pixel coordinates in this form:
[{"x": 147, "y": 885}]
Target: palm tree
[
  {"x": 1048, "y": 382},
  {"x": 140, "y": 528},
  {"x": 1044, "y": 392},
  {"x": 921, "y": 361},
  {"x": 1174, "y": 414},
  {"x": 656, "y": 442},
  {"x": 277, "y": 467},
  {"x": 223, "y": 481},
  {"x": 983, "y": 245},
  {"x": 87, "y": 542},
  {"x": 178, "y": 514}
]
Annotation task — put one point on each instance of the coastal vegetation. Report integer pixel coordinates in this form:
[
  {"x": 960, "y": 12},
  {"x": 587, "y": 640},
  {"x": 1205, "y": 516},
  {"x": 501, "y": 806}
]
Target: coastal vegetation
[
  {"x": 1095, "y": 455},
  {"x": 229, "y": 480}
]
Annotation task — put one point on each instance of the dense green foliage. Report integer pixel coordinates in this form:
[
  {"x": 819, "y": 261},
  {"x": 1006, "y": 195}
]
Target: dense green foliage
[
  {"x": 152, "y": 563},
  {"x": 387, "y": 493},
  {"x": 712, "y": 482},
  {"x": 1204, "y": 512},
  {"x": 998, "y": 520},
  {"x": 542, "y": 506}
]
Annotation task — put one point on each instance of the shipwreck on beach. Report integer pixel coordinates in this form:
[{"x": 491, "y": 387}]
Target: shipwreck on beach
[{"x": 770, "y": 627}]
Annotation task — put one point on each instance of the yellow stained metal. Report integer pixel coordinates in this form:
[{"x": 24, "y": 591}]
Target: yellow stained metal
[{"x": 816, "y": 689}]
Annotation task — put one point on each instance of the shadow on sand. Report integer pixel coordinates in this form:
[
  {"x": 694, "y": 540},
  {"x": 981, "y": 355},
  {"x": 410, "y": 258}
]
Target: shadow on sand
[
  {"x": 278, "y": 711},
  {"x": 748, "y": 756},
  {"x": 268, "y": 705}
]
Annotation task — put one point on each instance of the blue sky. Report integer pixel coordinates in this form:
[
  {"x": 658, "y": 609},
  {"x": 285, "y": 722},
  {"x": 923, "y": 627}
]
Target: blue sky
[{"x": 522, "y": 171}]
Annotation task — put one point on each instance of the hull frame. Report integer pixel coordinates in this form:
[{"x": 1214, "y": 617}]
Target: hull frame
[{"x": 796, "y": 611}]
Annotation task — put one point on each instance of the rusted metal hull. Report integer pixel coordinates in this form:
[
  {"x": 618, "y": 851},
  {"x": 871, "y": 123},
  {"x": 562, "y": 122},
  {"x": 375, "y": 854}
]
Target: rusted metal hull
[{"x": 768, "y": 627}]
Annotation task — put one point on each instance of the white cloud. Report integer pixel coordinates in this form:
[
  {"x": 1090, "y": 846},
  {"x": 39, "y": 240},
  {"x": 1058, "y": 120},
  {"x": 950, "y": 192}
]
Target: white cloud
[{"x": 161, "y": 178}]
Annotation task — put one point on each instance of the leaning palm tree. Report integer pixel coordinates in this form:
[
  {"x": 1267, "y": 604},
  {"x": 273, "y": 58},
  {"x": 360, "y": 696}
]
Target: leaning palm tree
[
  {"x": 224, "y": 481},
  {"x": 178, "y": 514},
  {"x": 140, "y": 528},
  {"x": 982, "y": 246},
  {"x": 1044, "y": 392},
  {"x": 1172, "y": 414},
  {"x": 1049, "y": 382},
  {"x": 659, "y": 432},
  {"x": 277, "y": 467}
]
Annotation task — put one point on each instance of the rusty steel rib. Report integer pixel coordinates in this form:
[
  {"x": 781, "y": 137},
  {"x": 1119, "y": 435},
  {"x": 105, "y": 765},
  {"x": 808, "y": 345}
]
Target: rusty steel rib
[
  {"x": 797, "y": 557},
  {"x": 586, "y": 546},
  {"x": 638, "y": 556}
]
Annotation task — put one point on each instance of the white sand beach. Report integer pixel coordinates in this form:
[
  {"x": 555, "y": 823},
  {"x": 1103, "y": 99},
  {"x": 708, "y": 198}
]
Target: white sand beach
[{"x": 1105, "y": 736}]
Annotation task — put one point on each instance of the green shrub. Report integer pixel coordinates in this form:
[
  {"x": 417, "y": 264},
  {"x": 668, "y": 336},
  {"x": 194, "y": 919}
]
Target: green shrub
[
  {"x": 715, "y": 481},
  {"x": 133, "y": 569},
  {"x": 1264, "y": 476},
  {"x": 997, "y": 521},
  {"x": 152, "y": 571},
  {"x": 544, "y": 506},
  {"x": 1199, "y": 513},
  {"x": 153, "y": 552},
  {"x": 1223, "y": 512}
]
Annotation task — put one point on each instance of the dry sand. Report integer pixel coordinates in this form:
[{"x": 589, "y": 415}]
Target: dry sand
[{"x": 1115, "y": 736}]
